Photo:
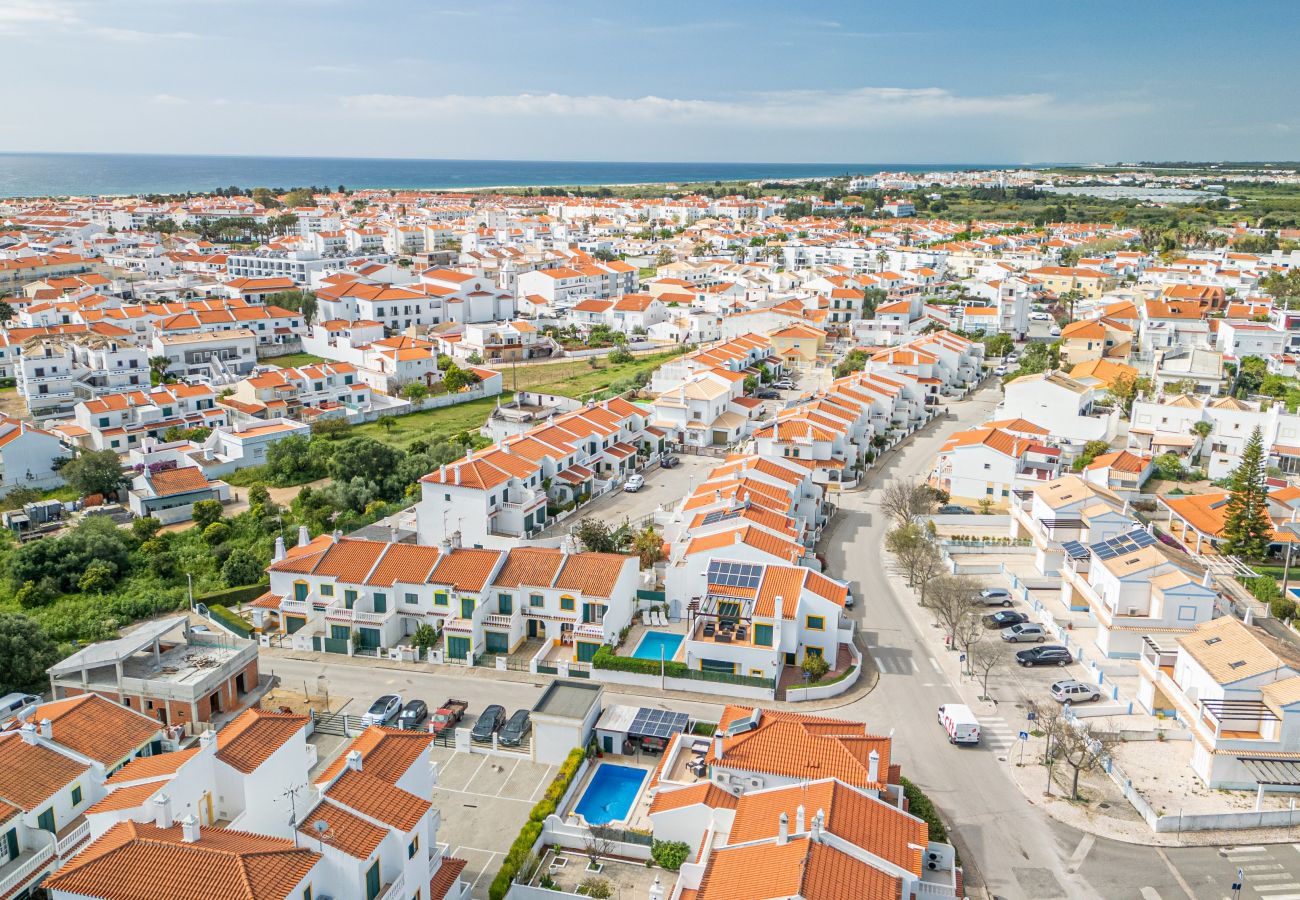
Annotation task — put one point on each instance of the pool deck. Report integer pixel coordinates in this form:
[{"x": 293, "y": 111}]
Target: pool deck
[{"x": 639, "y": 631}]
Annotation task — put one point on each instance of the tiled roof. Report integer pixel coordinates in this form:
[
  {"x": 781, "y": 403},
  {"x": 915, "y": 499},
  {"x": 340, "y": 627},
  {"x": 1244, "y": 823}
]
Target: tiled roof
[
  {"x": 529, "y": 567},
  {"x": 799, "y": 868},
  {"x": 706, "y": 793},
  {"x": 131, "y": 796},
  {"x": 346, "y": 831},
  {"x": 408, "y": 563},
  {"x": 254, "y": 736},
  {"x": 373, "y": 797},
  {"x": 803, "y": 747},
  {"x": 97, "y": 728},
  {"x": 131, "y": 861},
  {"x": 145, "y": 767},
  {"x": 30, "y": 775},
  {"x": 386, "y": 753},
  {"x": 445, "y": 877},
  {"x": 593, "y": 574},
  {"x": 178, "y": 481},
  {"x": 466, "y": 569},
  {"x": 875, "y": 826}
]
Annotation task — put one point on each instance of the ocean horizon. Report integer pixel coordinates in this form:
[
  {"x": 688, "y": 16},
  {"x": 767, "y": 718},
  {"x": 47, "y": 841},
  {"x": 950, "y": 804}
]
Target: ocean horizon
[{"x": 81, "y": 174}]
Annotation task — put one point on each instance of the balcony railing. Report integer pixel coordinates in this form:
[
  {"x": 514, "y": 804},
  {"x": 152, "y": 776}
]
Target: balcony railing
[
  {"x": 499, "y": 620},
  {"x": 24, "y": 869},
  {"x": 395, "y": 889},
  {"x": 71, "y": 839}
]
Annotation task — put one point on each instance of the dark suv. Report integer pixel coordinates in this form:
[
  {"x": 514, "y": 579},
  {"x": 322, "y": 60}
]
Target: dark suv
[
  {"x": 489, "y": 720},
  {"x": 1046, "y": 655}
]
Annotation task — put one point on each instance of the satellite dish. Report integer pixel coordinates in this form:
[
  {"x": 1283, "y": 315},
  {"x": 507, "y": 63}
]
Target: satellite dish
[{"x": 320, "y": 826}]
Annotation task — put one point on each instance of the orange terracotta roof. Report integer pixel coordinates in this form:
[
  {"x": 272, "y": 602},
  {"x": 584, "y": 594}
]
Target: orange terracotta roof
[
  {"x": 445, "y": 877},
  {"x": 466, "y": 569},
  {"x": 156, "y": 766},
  {"x": 379, "y": 800},
  {"x": 31, "y": 775},
  {"x": 346, "y": 831},
  {"x": 130, "y": 860},
  {"x": 132, "y": 796},
  {"x": 799, "y": 868},
  {"x": 254, "y": 736},
  {"x": 706, "y": 793},
  {"x": 178, "y": 481},
  {"x": 592, "y": 574},
  {"x": 386, "y": 753},
  {"x": 97, "y": 728}
]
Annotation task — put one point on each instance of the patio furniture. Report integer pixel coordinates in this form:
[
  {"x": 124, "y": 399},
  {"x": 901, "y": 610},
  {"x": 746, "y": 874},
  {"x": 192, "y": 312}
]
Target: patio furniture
[
  {"x": 645, "y": 618},
  {"x": 724, "y": 637},
  {"x": 709, "y": 630}
]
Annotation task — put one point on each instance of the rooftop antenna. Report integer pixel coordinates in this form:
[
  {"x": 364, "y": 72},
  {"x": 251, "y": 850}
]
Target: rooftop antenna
[
  {"x": 291, "y": 793},
  {"x": 322, "y": 829}
]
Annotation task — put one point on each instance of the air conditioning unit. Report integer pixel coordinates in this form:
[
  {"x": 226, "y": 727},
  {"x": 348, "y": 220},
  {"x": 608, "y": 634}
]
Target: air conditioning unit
[
  {"x": 1132, "y": 610},
  {"x": 932, "y": 865},
  {"x": 934, "y": 857},
  {"x": 755, "y": 782}
]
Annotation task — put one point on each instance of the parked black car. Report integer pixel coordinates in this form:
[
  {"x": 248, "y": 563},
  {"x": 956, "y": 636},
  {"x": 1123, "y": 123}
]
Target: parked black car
[
  {"x": 516, "y": 729},
  {"x": 489, "y": 720},
  {"x": 1005, "y": 618},
  {"x": 1045, "y": 655},
  {"x": 413, "y": 715},
  {"x": 953, "y": 509},
  {"x": 767, "y": 394},
  {"x": 670, "y": 462}
]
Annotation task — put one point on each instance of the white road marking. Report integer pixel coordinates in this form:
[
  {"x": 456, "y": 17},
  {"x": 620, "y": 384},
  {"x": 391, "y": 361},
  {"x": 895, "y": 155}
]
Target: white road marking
[
  {"x": 1256, "y": 867},
  {"x": 1149, "y": 893},
  {"x": 1279, "y": 896},
  {"x": 934, "y": 664},
  {"x": 1080, "y": 853},
  {"x": 1248, "y": 848},
  {"x": 543, "y": 783},
  {"x": 470, "y": 780},
  {"x": 484, "y": 796},
  {"x": 1262, "y": 888}
]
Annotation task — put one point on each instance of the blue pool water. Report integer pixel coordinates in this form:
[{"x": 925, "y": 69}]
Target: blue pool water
[
  {"x": 610, "y": 794},
  {"x": 652, "y": 641}
]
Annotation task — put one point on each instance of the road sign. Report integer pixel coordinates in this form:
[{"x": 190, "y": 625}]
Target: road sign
[
  {"x": 1032, "y": 715},
  {"x": 1024, "y": 735}
]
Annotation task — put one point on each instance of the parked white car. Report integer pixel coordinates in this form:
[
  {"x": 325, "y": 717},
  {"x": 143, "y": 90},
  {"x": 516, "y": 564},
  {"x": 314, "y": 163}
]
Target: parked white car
[
  {"x": 1073, "y": 691},
  {"x": 634, "y": 483},
  {"x": 1040, "y": 317},
  {"x": 1000, "y": 371},
  {"x": 960, "y": 723}
]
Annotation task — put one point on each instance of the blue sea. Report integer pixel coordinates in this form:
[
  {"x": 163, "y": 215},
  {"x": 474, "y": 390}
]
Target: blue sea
[{"x": 77, "y": 174}]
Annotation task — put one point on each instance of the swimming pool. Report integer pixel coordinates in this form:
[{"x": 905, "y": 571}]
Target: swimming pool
[
  {"x": 610, "y": 794},
  {"x": 652, "y": 641}
]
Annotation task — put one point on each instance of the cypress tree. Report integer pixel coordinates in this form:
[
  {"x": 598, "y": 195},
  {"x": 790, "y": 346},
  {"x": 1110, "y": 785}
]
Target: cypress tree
[{"x": 1247, "y": 528}]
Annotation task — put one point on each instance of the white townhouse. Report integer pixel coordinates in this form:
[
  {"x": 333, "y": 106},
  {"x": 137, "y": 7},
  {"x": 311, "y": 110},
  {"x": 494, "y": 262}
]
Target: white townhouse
[
  {"x": 707, "y": 410},
  {"x": 221, "y": 357},
  {"x": 29, "y": 456},
  {"x": 1065, "y": 407},
  {"x": 1237, "y": 690},
  {"x": 54, "y": 372},
  {"x": 1165, "y": 425},
  {"x": 336, "y": 594},
  {"x": 127, "y": 420},
  {"x": 1064, "y": 510},
  {"x": 984, "y": 465},
  {"x": 1132, "y": 585},
  {"x": 306, "y": 393}
]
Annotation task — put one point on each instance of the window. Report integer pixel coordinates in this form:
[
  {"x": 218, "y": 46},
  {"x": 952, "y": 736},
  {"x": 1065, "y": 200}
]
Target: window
[
  {"x": 505, "y": 604},
  {"x": 76, "y": 794},
  {"x": 412, "y": 599},
  {"x": 763, "y": 635},
  {"x": 536, "y": 600},
  {"x": 306, "y": 893},
  {"x": 327, "y": 590},
  {"x": 467, "y": 607},
  {"x": 568, "y": 604},
  {"x": 381, "y": 603},
  {"x": 440, "y": 598},
  {"x": 413, "y": 847},
  {"x": 814, "y": 652},
  {"x": 815, "y": 623},
  {"x": 372, "y": 882}
]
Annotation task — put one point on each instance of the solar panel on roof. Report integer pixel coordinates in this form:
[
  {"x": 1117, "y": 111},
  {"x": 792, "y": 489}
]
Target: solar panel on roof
[
  {"x": 731, "y": 574},
  {"x": 720, "y": 515},
  {"x": 1075, "y": 550},
  {"x": 657, "y": 723},
  {"x": 1123, "y": 544}
]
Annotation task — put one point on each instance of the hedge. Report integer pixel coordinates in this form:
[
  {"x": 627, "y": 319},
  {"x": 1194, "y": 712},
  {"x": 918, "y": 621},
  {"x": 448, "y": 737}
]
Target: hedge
[
  {"x": 233, "y": 596},
  {"x": 606, "y": 658},
  {"x": 229, "y": 620},
  {"x": 920, "y": 806},
  {"x": 522, "y": 847}
]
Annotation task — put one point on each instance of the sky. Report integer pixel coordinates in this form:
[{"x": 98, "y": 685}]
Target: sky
[{"x": 709, "y": 80}]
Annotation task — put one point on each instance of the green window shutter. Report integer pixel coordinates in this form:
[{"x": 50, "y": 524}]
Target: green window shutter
[
  {"x": 381, "y": 603},
  {"x": 467, "y": 607},
  {"x": 763, "y": 635}
]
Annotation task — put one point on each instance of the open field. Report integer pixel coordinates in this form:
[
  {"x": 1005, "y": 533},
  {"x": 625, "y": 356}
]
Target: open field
[
  {"x": 432, "y": 425},
  {"x": 293, "y": 360},
  {"x": 576, "y": 377}
]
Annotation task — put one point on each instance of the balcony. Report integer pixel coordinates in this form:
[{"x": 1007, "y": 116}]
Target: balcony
[
  {"x": 395, "y": 890},
  {"x": 24, "y": 868},
  {"x": 500, "y": 620}
]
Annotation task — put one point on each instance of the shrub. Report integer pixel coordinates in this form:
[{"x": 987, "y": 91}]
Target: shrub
[
  {"x": 1264, "y": 588},
  {"x": 1282, "y": 608},
  {"x": 605, "y": 658},
  {"x": 598, "y": 888},
  {"x": 920, "y": 806},
  {"x": 815, "y": 667},
  {"x": 522, "y": 847},
  {"x": 670, "y": 854}
]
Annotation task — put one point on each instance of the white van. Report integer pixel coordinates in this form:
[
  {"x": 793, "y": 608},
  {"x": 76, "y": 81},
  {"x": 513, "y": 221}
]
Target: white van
[{"x": 960, "y": 723}]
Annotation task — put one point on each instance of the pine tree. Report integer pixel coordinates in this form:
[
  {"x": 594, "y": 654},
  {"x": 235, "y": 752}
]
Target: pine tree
[{"x": 1246, "y": 526}]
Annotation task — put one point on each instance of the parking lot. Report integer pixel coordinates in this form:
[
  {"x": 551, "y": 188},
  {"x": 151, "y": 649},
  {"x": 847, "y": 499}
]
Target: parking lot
[
  {"x": 499, "y": 792},
  {"x": 663, "y": 488}
]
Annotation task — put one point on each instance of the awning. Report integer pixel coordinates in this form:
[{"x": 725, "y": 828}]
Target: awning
[{"x": 1272, "y": 772}]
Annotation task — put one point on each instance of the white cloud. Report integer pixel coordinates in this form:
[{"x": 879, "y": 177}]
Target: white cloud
[
  {"x": 131, "y": 34},
  {"x": 32, "y": 17},
  {"x": 168, "y": 100},
  {"x": 792, "y": 110}
]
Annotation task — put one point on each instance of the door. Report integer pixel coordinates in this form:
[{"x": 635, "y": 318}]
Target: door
[
  {"x": 533, "y": 628},
  {"x": 300, "y": 591},
  {"x": 608, "y": 744},
  {"x": 457, "y": 647},
  {"x": 372, "y": 882},
  {"x": 45, "y": 820},
  {"x": 497, "y": 642},
  {"x": 368, "y": 638},
  {"x": 11, "y": 843}
]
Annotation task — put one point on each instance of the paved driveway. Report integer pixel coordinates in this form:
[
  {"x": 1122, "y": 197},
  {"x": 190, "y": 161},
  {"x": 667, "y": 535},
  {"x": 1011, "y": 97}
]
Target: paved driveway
[{"x": 663, "y": 487}]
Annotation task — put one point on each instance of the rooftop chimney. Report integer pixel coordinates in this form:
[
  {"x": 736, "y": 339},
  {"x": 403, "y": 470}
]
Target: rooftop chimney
[
  {"x": 208, "y": 740},
  {"x": 816, "y": 833},
  {"x": 279, "y": 549},
  {"x": 190, "y": 830},
  {"x": 783, "y": 831},
  {"x": 28, "y": 731},
  {"x": 798, "y": 820},
  {"x": 336, "y": 535},
  {"x": 392, "y": 534},
  {"x": 717, "y": 746},
  {"x": 162, "y": 811},
  {"x": 304, "y": 536},
  {"x": 47, "y": 729},
  {"x": 354, "y": 760},
  {"x": 657, "y": 890},
  {"x": 873, "y": 766}
]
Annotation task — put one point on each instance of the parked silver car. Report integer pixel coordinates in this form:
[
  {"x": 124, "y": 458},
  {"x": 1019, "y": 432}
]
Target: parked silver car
[
  {"x": 1024, "y": 633},
  {"x": 1073, "y": 691}
]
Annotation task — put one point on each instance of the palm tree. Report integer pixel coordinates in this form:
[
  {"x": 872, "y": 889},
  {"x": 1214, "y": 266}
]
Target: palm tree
[
  {"x": 1202, "y": 431},
  {"x": 649, "y": 545}
]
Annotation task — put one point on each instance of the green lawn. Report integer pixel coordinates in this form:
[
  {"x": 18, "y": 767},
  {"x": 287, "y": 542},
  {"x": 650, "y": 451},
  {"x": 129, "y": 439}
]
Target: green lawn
[
  {"x": 432, "y": 424},
  {"x": 576, "y": 377},
  {"x": 293, "y": 360}
]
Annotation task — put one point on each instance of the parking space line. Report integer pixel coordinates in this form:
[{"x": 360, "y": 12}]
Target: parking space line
[
  {"x": 470, "y": 780},
  {"x": 507, "y": 778},
  {"x": 542, "y": 784},
  {"x": 484, "y": 796},
  {"x": 934, "y": 664}
]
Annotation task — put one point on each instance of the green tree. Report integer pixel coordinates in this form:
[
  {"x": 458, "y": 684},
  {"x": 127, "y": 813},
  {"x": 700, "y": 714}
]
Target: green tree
[
  {"x": 415, "y": 391},
  {"x": 94, "y": 472},
  {"x": 98, "y": 577},
  {"x": 998, "y": 344},
  {"x": 6, "y": 312},
  {"x": 241, "y": 567},
  {"x": 216, "y": 533},
  {"x": 1247, "y": 529},
  {"x": 620, "y": 356},
  {"x": 26, "y": 651},
  {"x": 300, "y": 197},
  {"x": 291, "y": 460},
  {"x": 145, "y": 528},
  {"x": 206, "y": 512},
  {"x": 815, "y": 667},
  {"x": 297, "y": 300}
]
